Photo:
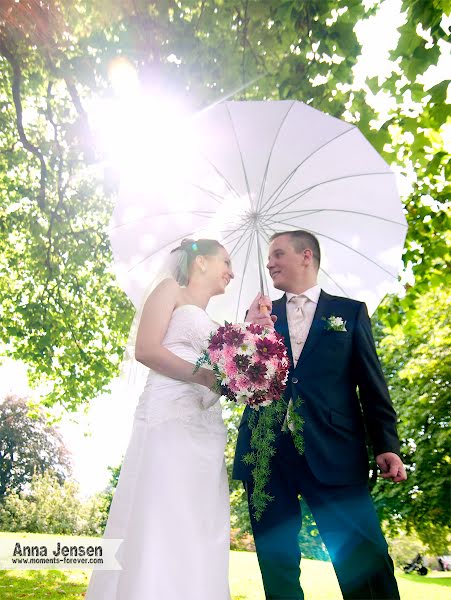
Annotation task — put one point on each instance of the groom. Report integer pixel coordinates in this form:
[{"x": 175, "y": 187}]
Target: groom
[{"x": 332, "y": 352}]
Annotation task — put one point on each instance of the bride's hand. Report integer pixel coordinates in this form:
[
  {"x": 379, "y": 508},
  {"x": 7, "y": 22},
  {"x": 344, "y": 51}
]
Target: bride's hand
[
  {"x": 207, "y": 378},
  {"x": 209, "y": 396}
]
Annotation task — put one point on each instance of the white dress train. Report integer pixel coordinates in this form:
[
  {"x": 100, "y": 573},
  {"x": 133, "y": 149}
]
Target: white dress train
[{"x": 171, "y": 505}]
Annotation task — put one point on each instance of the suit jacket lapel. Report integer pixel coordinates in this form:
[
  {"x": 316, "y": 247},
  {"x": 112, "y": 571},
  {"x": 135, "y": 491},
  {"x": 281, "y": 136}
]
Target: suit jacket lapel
[
  {"x": 316, "y": 328},
  {"x": 279, "y": 308}
]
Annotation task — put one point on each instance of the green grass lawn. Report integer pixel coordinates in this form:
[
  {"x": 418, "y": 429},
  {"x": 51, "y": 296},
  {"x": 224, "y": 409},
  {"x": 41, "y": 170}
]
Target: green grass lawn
[{"x": 318, "y": 580}]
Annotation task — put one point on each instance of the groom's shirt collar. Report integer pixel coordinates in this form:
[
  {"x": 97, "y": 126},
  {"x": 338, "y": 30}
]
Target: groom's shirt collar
[{"x": 312, "y": 294}]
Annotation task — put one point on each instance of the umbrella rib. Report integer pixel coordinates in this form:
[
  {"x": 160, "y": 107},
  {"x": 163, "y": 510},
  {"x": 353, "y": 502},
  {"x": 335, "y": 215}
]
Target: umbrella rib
[
  {"x": 265, "y": 236},
  {"x": 223, "y": 177},
  {"x": 284, "y": 183},
  {"x": 228, "y": 238},
  {"x": 212, "y": 195},
  {"x": 241, "y": 157},
  {"x": 236, "y": 242},
  {"x": 243, "y": 227},
  {"x": 297, "y": 195},
  {"x": 246, "y": 262},
  {"x": 318, "y": 233},
  {"x": 269, "y": 217},
  {"x": 240, "y": 240},
  {"x": 262, "y": 187},
  {"x": 337, "y": 284},
  {"x": 298, "y": 214},
  {"x": 260, "y": 266}
]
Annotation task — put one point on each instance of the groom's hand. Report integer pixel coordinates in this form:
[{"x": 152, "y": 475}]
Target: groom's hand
[
  {"x": 391, "y": 466},
  {"x": 262, "y": 317}
]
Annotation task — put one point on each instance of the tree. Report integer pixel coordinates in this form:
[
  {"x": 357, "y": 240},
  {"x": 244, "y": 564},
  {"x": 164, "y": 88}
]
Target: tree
[
  {"x": 415, "y": 356},
  {"x": 51, "y": 506},
  {"x": 28, "y": 445},
  {"x": 413, "y": 137},
  {"x": 105, "y": 498}
]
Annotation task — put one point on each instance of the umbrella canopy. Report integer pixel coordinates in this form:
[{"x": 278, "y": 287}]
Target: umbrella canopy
[{"x": 255, "y": 168}]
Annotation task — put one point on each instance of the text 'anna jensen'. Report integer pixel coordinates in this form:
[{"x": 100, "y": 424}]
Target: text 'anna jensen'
[{"x": 61, "y": 550}]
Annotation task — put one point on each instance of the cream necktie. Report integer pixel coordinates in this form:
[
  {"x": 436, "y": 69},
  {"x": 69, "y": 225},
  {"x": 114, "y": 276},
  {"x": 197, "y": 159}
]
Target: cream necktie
[
  {"x": 297, "y": 334},
  {"x": 297, "y": 324},
  {"x": 299, "y": 302}
]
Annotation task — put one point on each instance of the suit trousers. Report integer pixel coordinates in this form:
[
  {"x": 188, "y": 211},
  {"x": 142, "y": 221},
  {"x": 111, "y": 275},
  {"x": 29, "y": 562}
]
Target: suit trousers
[{"x": 347, "y": 522}]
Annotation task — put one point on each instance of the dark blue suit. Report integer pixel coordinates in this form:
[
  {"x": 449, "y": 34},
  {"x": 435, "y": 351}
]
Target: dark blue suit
[{"x": 332, "y": 475}]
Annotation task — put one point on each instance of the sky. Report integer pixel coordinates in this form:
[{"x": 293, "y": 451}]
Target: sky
[{"x": 99, "y": 438}]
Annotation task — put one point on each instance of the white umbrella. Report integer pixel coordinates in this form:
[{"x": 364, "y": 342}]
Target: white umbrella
[{"x": 253, "y": 169}]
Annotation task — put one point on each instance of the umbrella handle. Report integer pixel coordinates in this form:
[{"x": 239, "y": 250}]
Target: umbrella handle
[{"x": 263, "y": 309}]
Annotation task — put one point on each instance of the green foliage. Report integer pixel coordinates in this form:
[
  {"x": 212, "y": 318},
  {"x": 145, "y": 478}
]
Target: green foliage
[
  {"x": 28, "y": 445},
  {"x": 239, "y": 512},
  {"x": 416, "y": 359},
  {"x": 48, "y": 584},
  {"x": 54, "y": 253},
  {"x": 403, "y": 548},
  {"x": 262, "y": 424},
  {"x": 94, "y": 514},
  {"x": 310, "y": 541},
  {"x": 414, "y": 140},
  {"x": 100, "y": 503},
  {"x": 49, "y": 506},
  {"x": 296, "y": 424}
]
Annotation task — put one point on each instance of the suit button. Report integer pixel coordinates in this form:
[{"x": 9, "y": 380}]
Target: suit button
[{"x": 294, "y": 380}]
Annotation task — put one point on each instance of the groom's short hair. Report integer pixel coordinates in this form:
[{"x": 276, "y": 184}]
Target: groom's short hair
[{"x": 302, "y": 240}]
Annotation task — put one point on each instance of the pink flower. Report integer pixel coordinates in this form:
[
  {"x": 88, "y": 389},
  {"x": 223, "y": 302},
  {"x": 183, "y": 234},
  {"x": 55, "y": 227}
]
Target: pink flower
[{"x": 230, "y": 368}]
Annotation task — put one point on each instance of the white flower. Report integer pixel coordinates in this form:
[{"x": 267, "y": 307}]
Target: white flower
[
  {"x": 334, "y": 323},
  {"x": 265, "y": 403},
  {"x": 225, "y": 380},
  {"x": 246, "y": 349},
  {"x": 243, "y": 396},
  {"x": 240, "y": 399},
  {"x": 270, "y": 371}
]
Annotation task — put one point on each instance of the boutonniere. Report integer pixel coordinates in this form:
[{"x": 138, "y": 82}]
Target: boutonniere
[{"x": 334, "y": 323}]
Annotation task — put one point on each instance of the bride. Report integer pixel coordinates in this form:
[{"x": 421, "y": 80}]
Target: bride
[{"x": 171, "y": 505}]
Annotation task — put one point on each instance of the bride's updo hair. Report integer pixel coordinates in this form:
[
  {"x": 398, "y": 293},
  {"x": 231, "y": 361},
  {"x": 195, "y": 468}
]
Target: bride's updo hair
[{"x": 189, "y": 249}]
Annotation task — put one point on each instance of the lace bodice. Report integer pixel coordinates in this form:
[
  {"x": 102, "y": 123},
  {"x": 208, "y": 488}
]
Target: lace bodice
[
  {"x": 165, "y": 398},
  {"x": 188, "y": 331}
]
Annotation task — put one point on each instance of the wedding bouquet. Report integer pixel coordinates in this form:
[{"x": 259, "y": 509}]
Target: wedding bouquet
[{"x": 251, "y": 365}]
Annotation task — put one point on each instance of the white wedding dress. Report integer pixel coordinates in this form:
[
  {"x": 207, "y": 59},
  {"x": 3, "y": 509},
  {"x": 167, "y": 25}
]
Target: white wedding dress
[{"x": 171, "y": 505}]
